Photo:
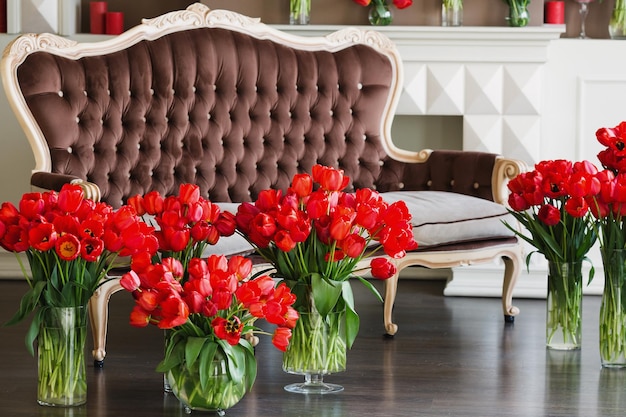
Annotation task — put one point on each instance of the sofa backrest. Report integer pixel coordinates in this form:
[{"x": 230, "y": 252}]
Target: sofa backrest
[{"x": 211, "y": 98}]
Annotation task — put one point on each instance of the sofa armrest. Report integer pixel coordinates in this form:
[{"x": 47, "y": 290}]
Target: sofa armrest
[
  {"x": 53, "y": 181},
  {"x": 473, "y": 173}
]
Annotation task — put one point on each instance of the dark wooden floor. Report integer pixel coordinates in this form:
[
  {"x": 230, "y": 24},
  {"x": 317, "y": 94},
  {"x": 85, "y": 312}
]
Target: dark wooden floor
[{"x": 451, "y": 357}]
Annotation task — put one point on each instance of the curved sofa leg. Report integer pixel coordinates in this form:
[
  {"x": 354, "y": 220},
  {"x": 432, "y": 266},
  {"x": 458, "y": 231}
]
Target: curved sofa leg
[
  {"x": 512, "y": 268},
  {"x": 391, "y": 287},
  {"x": 99, "y": 317}
]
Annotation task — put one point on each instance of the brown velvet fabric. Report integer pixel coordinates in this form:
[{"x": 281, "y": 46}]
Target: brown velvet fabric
[{"x": 229, "y": 112}]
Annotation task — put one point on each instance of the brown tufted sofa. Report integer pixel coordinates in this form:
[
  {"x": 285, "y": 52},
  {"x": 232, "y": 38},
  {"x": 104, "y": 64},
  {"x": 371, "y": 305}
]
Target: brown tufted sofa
[{"x": 223, "y": 101}]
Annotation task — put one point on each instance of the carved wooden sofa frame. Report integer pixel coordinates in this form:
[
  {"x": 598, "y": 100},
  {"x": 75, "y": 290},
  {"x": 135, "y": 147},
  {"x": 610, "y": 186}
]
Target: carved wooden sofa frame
[{"x": 223, "y": 101}]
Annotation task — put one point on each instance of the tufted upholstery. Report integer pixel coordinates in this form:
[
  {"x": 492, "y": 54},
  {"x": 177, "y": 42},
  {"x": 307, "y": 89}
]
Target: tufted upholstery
[{"x": 225, "y": 102}]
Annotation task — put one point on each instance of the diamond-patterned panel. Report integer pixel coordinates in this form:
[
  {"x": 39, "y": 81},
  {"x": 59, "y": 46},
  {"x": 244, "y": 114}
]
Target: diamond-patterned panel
[
  {"x": 482, "y": 133},
  {"x": 521, "y": 137},
  {"x": 445, "y": 83},
  {"x": 413, "y": 97},
  {"x": 483, "y": 89},
  {"x": 522, "y": 89}
]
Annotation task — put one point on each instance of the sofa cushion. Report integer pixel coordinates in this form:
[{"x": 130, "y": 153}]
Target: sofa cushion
[{"x": 443, "y": 218}]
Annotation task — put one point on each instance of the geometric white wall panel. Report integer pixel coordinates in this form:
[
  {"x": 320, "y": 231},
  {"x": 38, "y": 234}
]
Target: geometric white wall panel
[
  {"x": 482, "y": 133},
  {"x": 483, "y": 89},
  {"x": 445, "y": 83},
  {"x": 598, "y": 92},
  {"x": 413, "y": 97},
  {"x": 522, "y": 89},
  {"x": 521, "y": 137}
]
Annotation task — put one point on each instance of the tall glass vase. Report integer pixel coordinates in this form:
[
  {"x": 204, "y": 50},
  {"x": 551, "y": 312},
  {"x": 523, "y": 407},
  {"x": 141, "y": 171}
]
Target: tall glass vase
[
  {"x": 617, "y": 22},
  {"x": 613, "y": 310},
  {"x": 317, "y": 348},
  {"x": 564, "y": 305},
  {"x": 62, "y": 379},
  {"x": 299, "y": 12}
]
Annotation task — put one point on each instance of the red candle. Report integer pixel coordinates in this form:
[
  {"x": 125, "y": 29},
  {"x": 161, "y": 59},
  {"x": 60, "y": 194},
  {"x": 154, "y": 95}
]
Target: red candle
[
  {"x": 97, "y": 13},
  {"x": 554, "y": 12},
  {"x": 114, "y": 23}
]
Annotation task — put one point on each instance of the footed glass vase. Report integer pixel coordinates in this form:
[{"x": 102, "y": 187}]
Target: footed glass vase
[
  {"x": 317, "y": 348},
  {"x": 613, "y": 310},
  {"x": 62, "y": 378},
  {"x": 217, "y": 385},
  {"x": 564, "y": 305}
]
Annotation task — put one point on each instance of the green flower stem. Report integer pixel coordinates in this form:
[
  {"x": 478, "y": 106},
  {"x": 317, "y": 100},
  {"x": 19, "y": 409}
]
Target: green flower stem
[
  {"x": 297, "y": 8},
  {"x": 617, "y": 22},
  {"x": 518, "y": 13},
  {"x": 61, "y": 361},
  {"x": 563, "y": 321},
  {"x": 452, "y": 4},
  {"x": 612, "y": 310},
  {"x": 317, "y": 345}
]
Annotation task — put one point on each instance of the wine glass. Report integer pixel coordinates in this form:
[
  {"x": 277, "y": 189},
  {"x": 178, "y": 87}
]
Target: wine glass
[{"x": 584, "y": 9}]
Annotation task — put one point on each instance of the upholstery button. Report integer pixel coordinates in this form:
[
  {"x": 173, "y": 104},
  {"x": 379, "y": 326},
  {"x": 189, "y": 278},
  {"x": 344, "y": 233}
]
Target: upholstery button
[
  {"x": 60, "y": 93},
  {"x": 381, "y": 163},
  {"x": 130, "y": 93},
  {"x": 364, "y": 137},
  {"x": 374, "y": 187},
  {"x": 167, "y": 119},
  {"x": 452, "y": 183},
  {"x": 101, "y": 121},
  {"x": 69, "y": 149},
  {"x": 143, "y": 119},
  {"x": 214, "y": 87},
  {"x": 151, "y": 173},
  {"x": 208, "y": 116},
  {"x": 193, "y": 88},
  {"x": 108, "y": 92},
  {"x": 429, "y": 183},
  {"x": 152, "y": 91},
  {"x": 139, "y": 146},
  {"x": 359, "y": 86},
  {"x": 331, "y": 113},
  {"x": 401, "y": 185},
  {"x": 77, "y": 119},
  {"x": 476, "y": 186},
  {"x": 173, "y": 92},
  {"x": 85, "y": 93}
]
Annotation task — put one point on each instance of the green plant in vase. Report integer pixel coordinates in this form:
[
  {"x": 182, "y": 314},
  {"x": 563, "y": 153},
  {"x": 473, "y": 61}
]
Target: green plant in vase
[
  {"x": 314, "y": 235},
  {"x": 551, "y": 203},
  {"x": 70, "y": 243}
]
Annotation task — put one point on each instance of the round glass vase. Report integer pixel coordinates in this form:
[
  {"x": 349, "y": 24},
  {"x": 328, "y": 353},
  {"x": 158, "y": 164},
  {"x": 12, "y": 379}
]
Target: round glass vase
[
  {"x": 451, "y": 13},
  {"x": 617, "y": 23},
  {"x": 564, "y": 306},
  {"x": 613, "y": 310},
  {"x": 317, "y": 348},
  {"x": 62, "y": 378},
  {"x": 299, "y": 12},
  {"x": 518, "y": 14},
  {"x": 223, "y": 385},
  {"x": 379, "y": 13}
]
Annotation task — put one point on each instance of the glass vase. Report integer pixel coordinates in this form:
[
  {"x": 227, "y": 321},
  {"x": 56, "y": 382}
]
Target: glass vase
[
  {"x": 317, "y": 348},
  {"x": 452, "y": 13},
  {"x": 223, "y": 386},
  {"x": 379, "y": 13},
  {"x": 617, "y": 23},
  {"x": 518, "y": 14},
  {"x": 299, "y": 12},
  {"x": 564, "y": 305},
  {"x": 613, "y": 310},
  {"x": 62, "y": 379}
]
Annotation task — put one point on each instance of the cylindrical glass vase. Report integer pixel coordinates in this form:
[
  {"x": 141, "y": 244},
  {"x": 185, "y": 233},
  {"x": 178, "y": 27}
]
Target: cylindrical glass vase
[
  {"x": 617, "y": 23},
  {"x": 299, "y": 12},
  {"x": 62, "y": 378},
  {"x": 564, "y": 305},
  {"x": 518, "y": 14},
  {"x": 451, "y": 13},
  {"x": 613, "y": 310},
  {"x": 317, "y": 348}
]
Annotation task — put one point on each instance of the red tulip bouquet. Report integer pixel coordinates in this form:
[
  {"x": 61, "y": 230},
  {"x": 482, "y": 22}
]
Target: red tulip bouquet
[
  {"x": 314, "y": 239},
  {"x": 185, "y": 224},
  {"x": 609, "y": 207},
  {"x": 551, "y": 202},
  {"x": 209, "y": 364},
  {"x": 70, "y": 243},
  {"x": 380, "y": 14}
]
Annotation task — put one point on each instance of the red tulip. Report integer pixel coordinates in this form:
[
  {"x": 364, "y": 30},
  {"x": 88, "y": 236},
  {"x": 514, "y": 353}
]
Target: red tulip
[
  {"x": 67, "y": 247},
  {"x": 382, "y": 269},
  {"x": 281, "y": 337},
  {"x": 229, "y": 330},
  {"x": 549, "y": 215},
  {"x": 70, "y": 198}
]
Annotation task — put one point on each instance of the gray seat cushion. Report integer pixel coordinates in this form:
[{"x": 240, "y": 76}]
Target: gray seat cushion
[{"x": 444, "y": 218}]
